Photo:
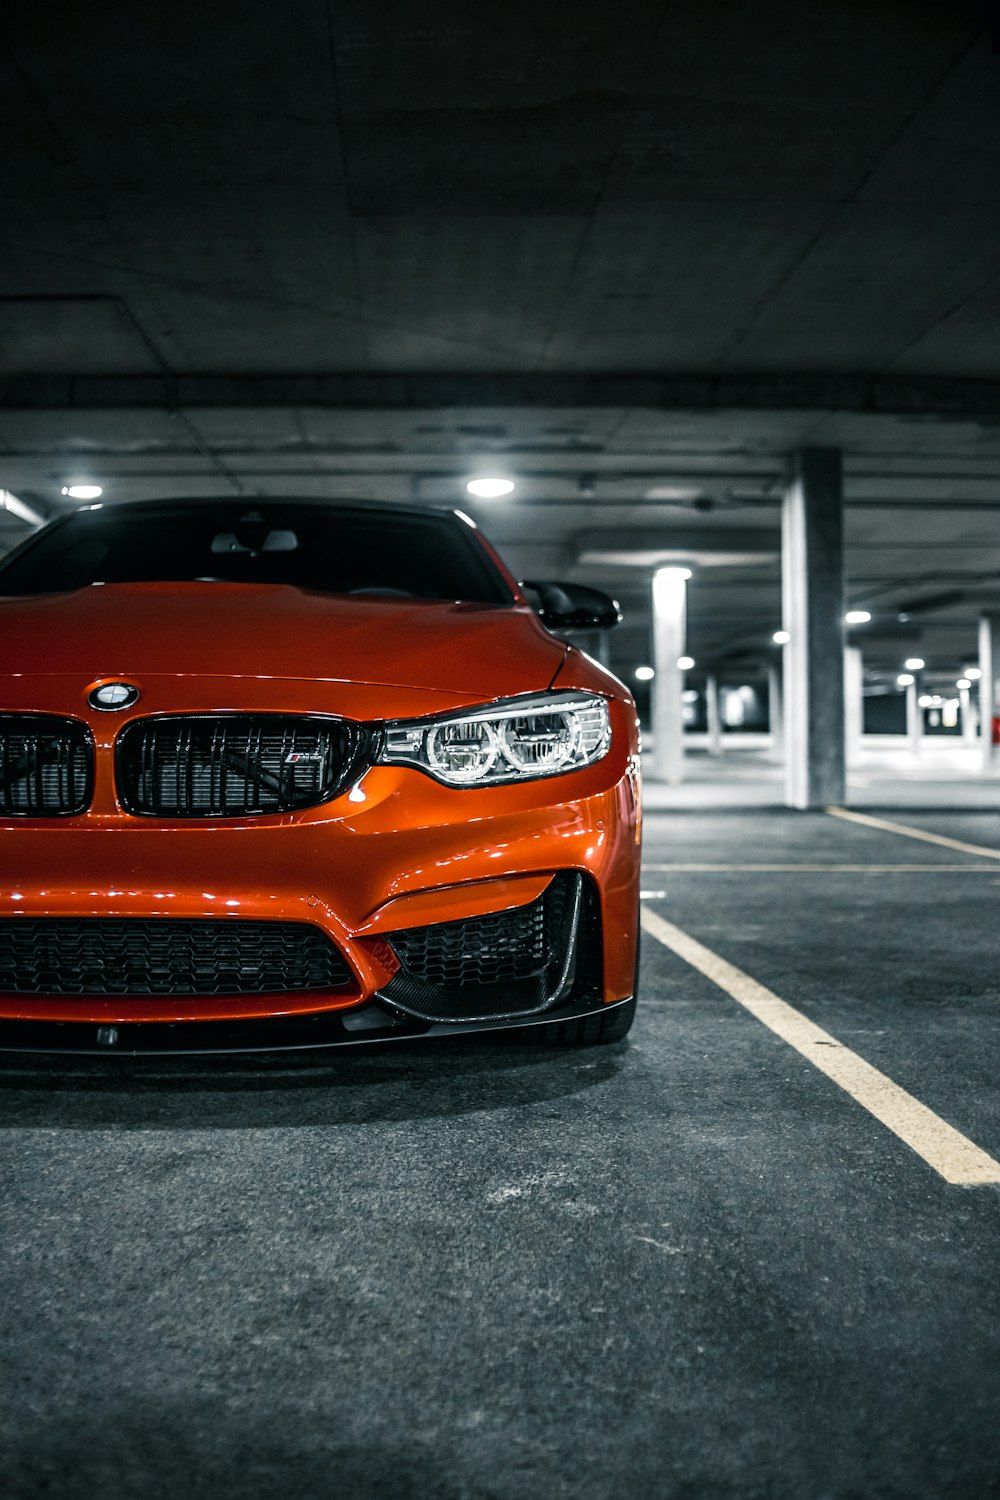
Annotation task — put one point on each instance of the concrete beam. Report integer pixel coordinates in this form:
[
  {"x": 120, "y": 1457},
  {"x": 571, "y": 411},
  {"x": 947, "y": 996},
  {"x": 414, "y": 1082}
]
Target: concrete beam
[{"x": 930, "y": 395}]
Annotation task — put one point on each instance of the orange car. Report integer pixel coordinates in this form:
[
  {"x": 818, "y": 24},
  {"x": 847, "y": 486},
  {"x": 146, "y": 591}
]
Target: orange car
[{"x": 287, "y": 774}]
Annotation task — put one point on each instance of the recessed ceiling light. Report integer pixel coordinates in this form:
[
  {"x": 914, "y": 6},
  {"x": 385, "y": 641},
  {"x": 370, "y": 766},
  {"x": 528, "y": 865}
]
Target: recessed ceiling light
[
  {"x": 914, "y": 663},
  {"x": 490, "y": 489},
  {"x": 644, "y": 674},
  {"x": 963, "y": 683},
  {"x": 685, "y": 663},
  {"x": 83, "y": 491},
  {"x": 857, "y": 617},
  {"x": 974, "y": 673},
  {"x": 781, "y": 637},
  {"x": 905, "y": 679}
]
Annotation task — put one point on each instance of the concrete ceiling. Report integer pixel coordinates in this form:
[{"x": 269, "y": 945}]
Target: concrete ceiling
[{"x": 633, "y": 254}]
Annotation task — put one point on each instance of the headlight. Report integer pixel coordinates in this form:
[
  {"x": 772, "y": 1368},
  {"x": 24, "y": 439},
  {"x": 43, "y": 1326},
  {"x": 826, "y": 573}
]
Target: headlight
[{"x": 519, "y": 740}]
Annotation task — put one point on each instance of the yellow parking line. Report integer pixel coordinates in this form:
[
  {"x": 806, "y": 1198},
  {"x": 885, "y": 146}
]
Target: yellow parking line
[
  {"x": 951, "y": 1154},
  {"x": 913, "y": 833},
  {"x": 792, "y": 869}
]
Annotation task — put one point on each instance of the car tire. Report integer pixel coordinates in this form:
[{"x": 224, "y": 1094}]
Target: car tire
[
  {"x": 599, "y": 1029},
  {"x": 591, "y": 1031}
]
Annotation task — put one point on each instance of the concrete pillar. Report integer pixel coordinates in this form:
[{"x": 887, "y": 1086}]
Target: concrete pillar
[
  {"x": 854, "y": 704},
  {"x": 914, "y": 717},
  {"x": 968, "y": 718},
  {"x": 775, "y": 713},
  {"x": 812, "y": 584},
  {"x": 602, "y": 648},
  {"x": 989, "y": 687},
  {"x": 712, "y": 714},
  {"x": 669, "y": 629}
]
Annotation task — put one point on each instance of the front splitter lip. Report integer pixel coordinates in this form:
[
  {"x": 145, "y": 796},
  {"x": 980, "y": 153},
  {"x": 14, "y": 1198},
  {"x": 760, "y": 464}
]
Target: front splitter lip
[{"x": 52, "y": 1036}]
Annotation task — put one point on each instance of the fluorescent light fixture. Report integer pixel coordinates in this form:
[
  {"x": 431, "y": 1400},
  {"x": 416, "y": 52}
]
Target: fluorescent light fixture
[
  {"x": 644, "y": 674},
  {"x": 781, "y": 637},
  {"x": 674, "y": 492},
  {"x": 914, "y": 663},
  {"x": 490, "y": 489},
  {"x": 905, "y": 679},
  {"x": 83, "y": 491},
  {"x": 685, "y": 663},
  {"x": 974, "y": 673},
  {"x": 963, "y": 684},
  {"x": 20, "y": 508},
  {"x": 857, "y": 617}
]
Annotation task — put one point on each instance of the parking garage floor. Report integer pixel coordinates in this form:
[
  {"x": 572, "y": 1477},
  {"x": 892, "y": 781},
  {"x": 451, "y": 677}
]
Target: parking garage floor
[{"x": 692, "y": 1265}]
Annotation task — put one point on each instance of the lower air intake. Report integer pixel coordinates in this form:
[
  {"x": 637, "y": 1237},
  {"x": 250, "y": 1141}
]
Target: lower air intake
[
  {"x": 165, "y": 956},
  {"x": 506, "y": 964}
]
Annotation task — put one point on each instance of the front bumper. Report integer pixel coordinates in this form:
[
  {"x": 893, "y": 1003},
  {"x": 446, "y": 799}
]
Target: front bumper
[{"x": 397, "y": 852}]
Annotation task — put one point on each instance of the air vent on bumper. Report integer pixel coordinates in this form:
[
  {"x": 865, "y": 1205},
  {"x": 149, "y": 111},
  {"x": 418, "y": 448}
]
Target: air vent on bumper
[
  {"x": 510, "y": 963},
  {"x": 165, "y": 956}
]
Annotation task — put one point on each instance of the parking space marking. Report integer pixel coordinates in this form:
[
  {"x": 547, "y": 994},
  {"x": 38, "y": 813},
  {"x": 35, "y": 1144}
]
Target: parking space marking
[
  {"x": 888, "y": 826},
  {"x": 952, "y": 1155},
  {"x": 802, "y": 869}
]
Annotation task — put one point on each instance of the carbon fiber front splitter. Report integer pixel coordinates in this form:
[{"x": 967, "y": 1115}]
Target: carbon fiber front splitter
[{"x": 372, "y": 1023}]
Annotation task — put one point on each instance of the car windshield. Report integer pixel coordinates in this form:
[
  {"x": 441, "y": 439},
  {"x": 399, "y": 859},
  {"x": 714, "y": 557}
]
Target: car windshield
[{"x": 332, "y": 549}]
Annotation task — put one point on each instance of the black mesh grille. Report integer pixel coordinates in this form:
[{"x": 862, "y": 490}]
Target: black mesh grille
[
  {"x": 480, "y": 951},
  {"x": 46, "y": 766},
  {"x": 164, "y": 956},
  {"x": 229, "y": 765},
  {"x": 509, "y": 963}
]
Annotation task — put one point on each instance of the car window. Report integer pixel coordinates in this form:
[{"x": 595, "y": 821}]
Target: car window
[{"x": 344, "y": 551}]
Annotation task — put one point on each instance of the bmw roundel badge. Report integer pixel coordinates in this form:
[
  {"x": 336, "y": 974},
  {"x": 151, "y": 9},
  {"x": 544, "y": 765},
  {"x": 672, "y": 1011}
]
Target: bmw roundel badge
[{"x": 111, "y": 696}]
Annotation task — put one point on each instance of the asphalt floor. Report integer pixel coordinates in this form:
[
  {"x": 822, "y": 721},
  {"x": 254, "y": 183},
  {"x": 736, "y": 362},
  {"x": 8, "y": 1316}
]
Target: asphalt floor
[{"x": 691, "y": 1266}]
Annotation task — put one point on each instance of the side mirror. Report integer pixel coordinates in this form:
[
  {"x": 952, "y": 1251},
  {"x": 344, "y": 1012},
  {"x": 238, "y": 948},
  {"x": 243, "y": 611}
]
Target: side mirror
[{"x": 572, "y": 606}]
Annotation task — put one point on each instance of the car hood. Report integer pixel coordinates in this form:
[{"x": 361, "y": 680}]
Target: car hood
[{"x": 250, "y": 630}]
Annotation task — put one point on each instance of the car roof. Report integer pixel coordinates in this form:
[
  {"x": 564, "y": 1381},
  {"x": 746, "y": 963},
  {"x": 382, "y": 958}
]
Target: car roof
[{"x": 383, "y": 507}]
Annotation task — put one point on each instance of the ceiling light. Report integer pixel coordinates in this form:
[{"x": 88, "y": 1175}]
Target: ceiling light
[
  {"x": 685, "y": 663},
  {"x": 644, "y": 674},
  {"x": 20, "y": 508},
  {"x": 963, "y": 683},
  {"x": 490, "y": 489},
  {"x": 974, "y": 673},
  {"x": 83, "y": 491},
  {"x": 673, "y": 492},
  {"x": 925, "y": 700},
  {"x": 905, "y": 680},
  {"x": 914, "y": 663},
  {"x": 857, "y": 617},
  {"x": 781, "y": 637}
]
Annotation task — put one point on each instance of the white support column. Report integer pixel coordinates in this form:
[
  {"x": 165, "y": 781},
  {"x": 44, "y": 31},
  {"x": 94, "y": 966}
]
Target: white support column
[
  {"x": 813, "y": 607},
  {"x": 775, "y": 713},
  {"x": 989, "y": 688},
  {"x": 854, "y": 704},
  {"x": 968, "y": 717},
  {"x": 712, "y": 715},
  {"x": 914, "y": 717},
  {"x": 669, "y": 629}
]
